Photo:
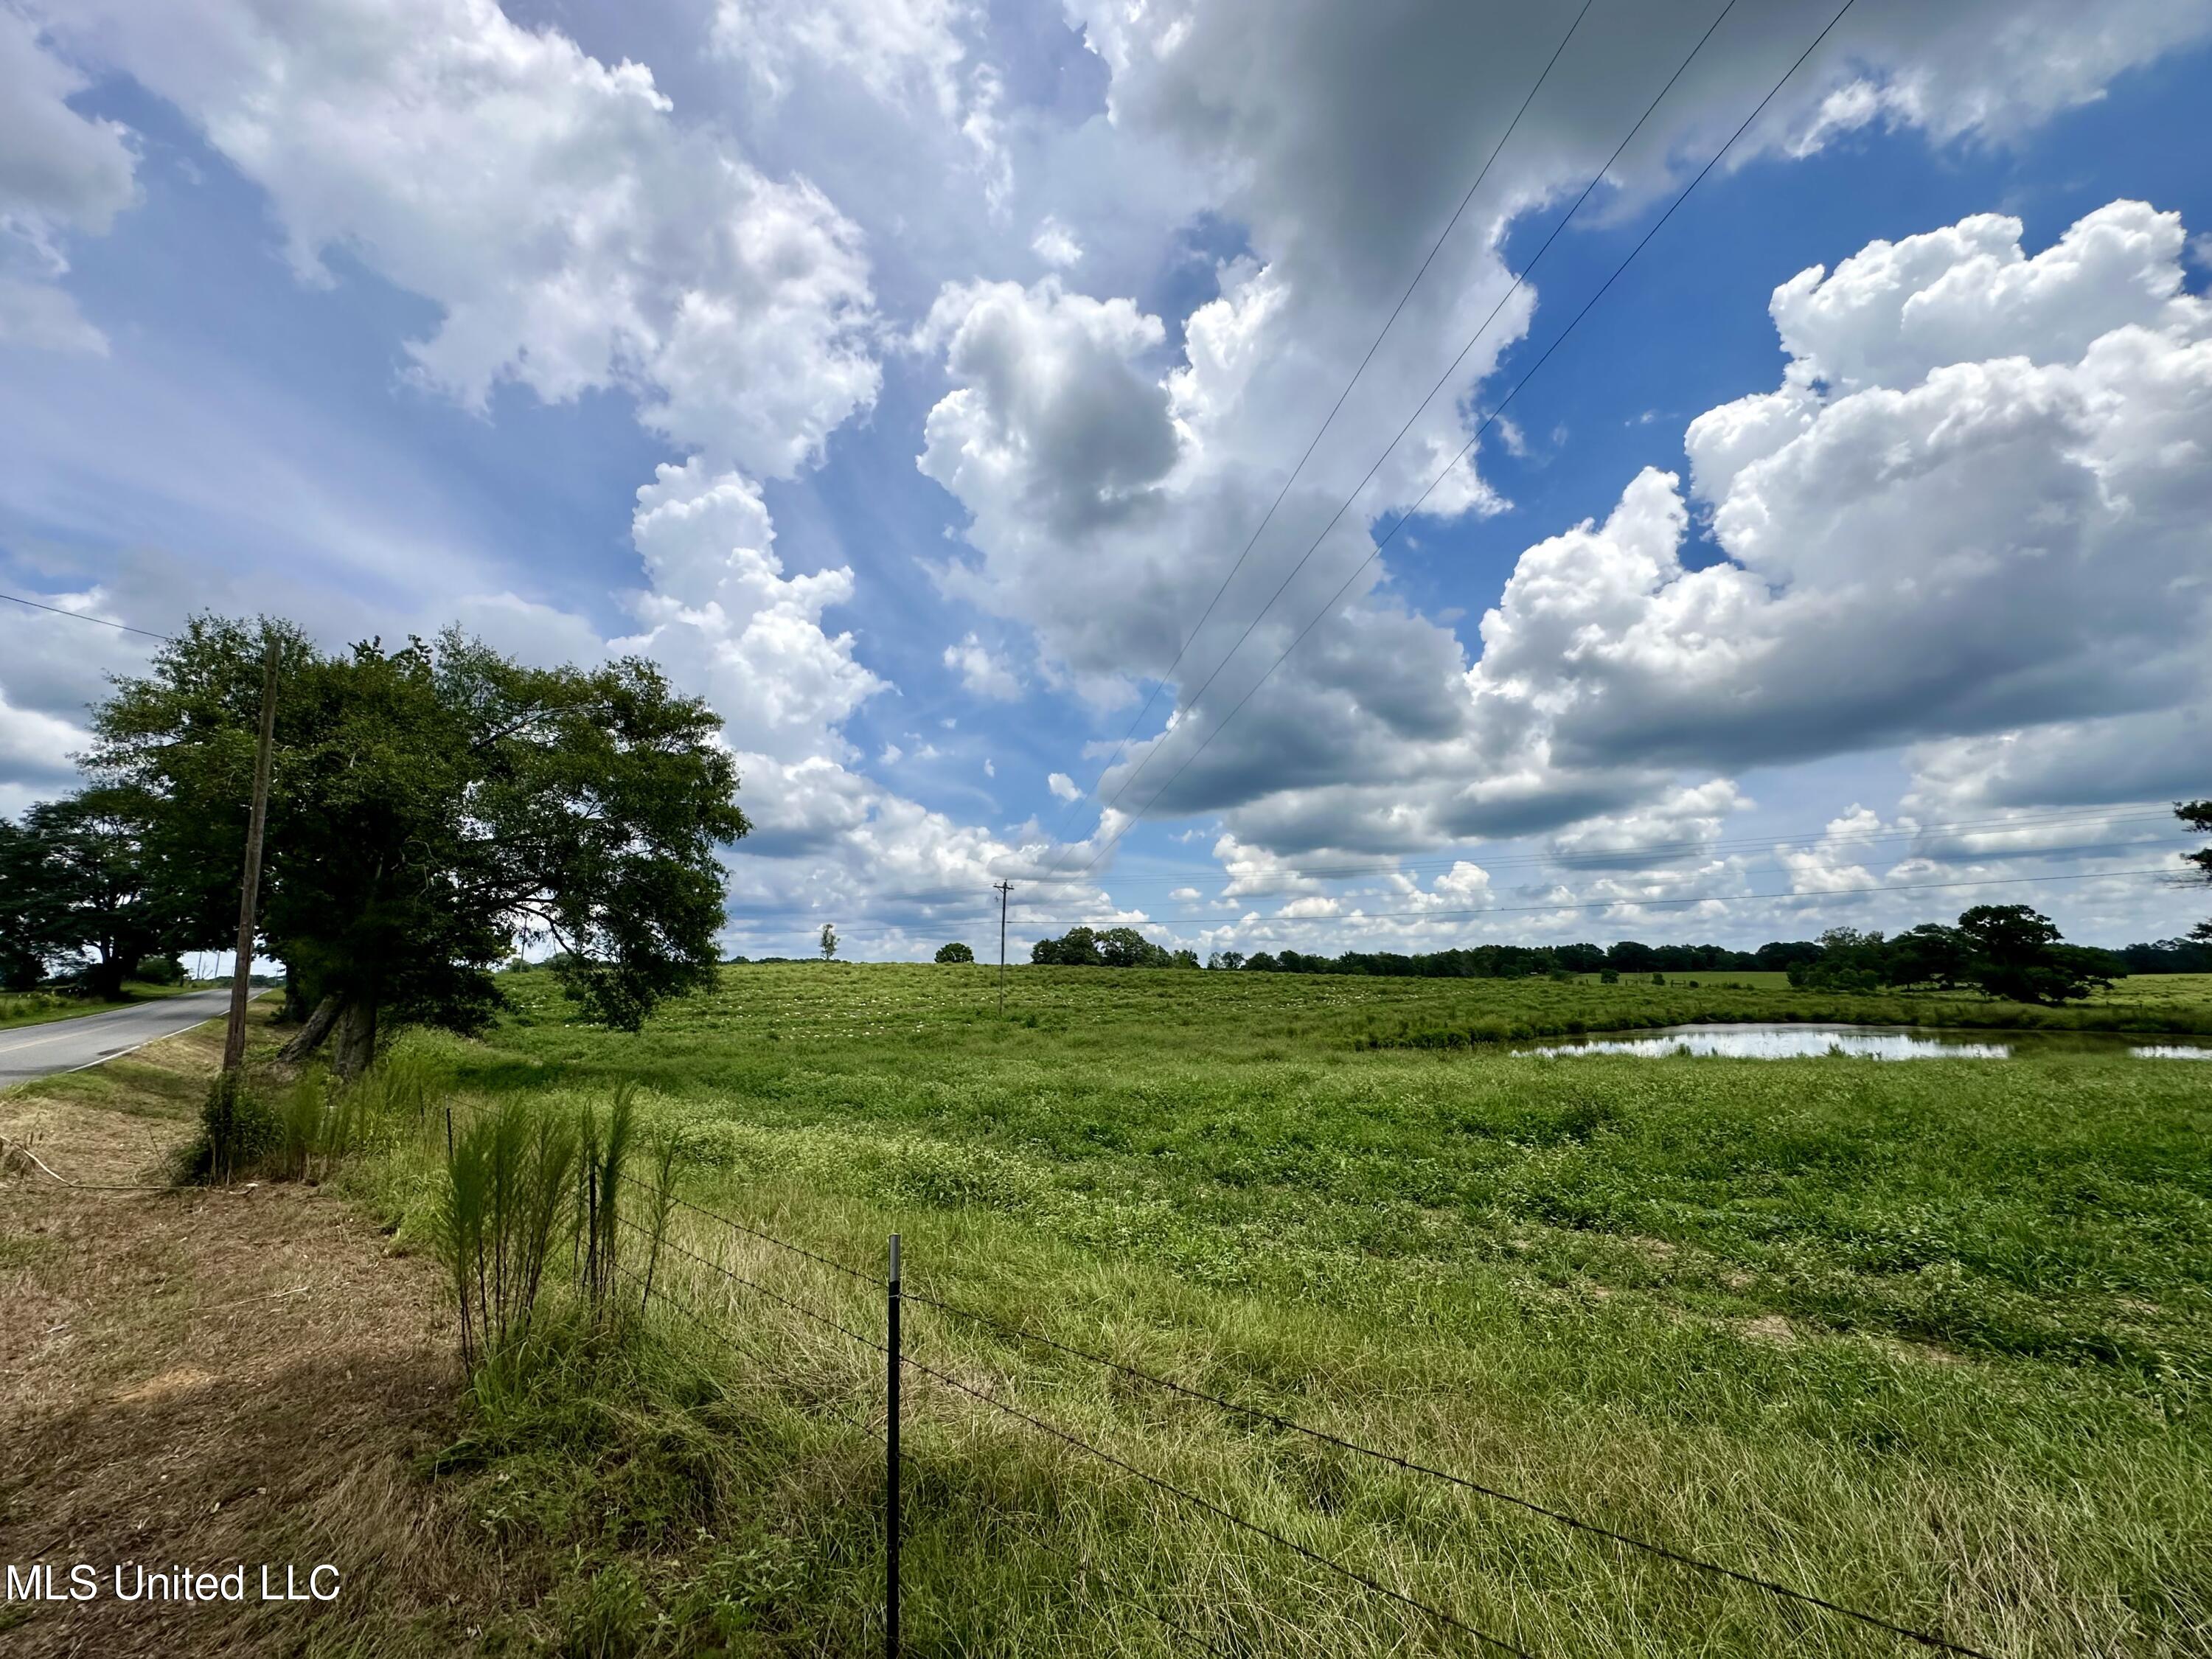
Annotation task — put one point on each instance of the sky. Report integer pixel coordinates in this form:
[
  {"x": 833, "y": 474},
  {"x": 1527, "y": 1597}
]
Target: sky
[{"x": 1399, "y": 476}]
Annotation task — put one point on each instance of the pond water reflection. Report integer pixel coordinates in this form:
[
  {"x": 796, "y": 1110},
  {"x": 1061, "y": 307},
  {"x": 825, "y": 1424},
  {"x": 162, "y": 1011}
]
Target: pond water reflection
[{"x": 1859, "y": 1041}]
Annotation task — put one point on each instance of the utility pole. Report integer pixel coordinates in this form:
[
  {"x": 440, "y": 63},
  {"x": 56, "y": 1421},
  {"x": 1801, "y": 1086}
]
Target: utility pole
[
  {"x": 1004, "y": 888},
  {"x": 249, "y": 892}
]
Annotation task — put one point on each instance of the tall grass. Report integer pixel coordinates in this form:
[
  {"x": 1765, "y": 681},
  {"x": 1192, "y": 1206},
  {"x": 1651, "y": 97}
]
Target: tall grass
[
  {"x": 667, "y": 1150},
  {"x": 509, "y": 1190},
  {"x": 1931, "y": 1340},
  {"x": 603, "y": 1172},
  {"x": 238, "y": 1129},
  {"x": 400, "y": 1090}
]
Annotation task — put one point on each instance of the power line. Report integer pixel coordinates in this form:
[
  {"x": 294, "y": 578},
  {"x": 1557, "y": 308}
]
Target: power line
[
  {"x": 81, "y": 616},
  {"x": 1662, "y": 851},
  {"x": 1487, "y": 421},
  {"x": 1329, "y": 420},
  {"x": 1519, "y": 280},
  {"x": 1216, "y": 921}
]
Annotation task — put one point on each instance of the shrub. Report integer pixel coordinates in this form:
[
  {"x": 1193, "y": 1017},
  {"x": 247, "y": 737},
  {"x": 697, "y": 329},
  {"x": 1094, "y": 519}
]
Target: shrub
[{"x": 238, "y": 1128}]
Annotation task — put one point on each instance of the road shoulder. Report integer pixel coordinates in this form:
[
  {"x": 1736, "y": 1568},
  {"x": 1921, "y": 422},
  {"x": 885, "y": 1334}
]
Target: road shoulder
[{"x": 217, "y": 1379}]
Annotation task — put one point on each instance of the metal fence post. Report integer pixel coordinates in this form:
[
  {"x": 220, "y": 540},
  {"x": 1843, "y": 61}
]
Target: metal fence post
[{"x": 891, "y": 1472}]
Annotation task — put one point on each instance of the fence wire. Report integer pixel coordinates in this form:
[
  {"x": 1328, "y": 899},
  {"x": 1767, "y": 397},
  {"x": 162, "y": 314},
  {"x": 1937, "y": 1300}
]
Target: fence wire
[
  {"x": 1261, "y": 1414},
  {"x": 1451, "y": 1620},
  {"x": 1006, "y": 1328},
  {"x": 661, "y": 1294}
]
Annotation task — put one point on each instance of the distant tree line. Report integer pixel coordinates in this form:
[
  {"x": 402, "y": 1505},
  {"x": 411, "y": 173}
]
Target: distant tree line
[
  {"x": 1522, "y": 961},
  {"x": 1113, "y": 947},
  {"x": 83, "y": 899},
  {"x": 2006, "y": 950}
]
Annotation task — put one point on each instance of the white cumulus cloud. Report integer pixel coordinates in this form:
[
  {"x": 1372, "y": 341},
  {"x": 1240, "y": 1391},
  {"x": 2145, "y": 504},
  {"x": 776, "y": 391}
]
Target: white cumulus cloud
[{"x": 982, "y": 672}]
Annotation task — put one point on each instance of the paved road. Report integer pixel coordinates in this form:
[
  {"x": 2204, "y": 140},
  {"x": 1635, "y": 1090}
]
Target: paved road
[{"x": 66, "y": 1045}]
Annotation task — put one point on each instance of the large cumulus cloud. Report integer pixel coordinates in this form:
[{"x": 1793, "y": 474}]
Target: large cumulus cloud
[
  {"x": 1976, "y": 517},
  {"x": 1112, "y": 475},
  {"x": 574, "y": 234},
  {"x": 1980, "y": 500}
]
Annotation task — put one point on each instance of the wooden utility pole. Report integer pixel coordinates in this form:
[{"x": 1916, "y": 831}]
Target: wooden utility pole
[
  {"x": 249, "y": 891},
  {"x": 1004, "y": 888}
]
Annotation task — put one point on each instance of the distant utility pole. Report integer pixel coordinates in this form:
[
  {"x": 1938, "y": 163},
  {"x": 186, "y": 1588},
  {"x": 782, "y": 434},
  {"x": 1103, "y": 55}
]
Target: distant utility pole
[
  {"x": 249, "y": 891},
  {"x": 1003, "y": 888}
]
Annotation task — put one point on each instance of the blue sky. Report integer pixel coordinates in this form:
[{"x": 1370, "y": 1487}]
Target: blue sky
[{"x": 978, "y": 339}]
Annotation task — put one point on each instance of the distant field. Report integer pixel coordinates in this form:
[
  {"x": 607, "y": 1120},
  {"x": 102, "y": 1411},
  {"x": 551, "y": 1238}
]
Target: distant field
[{"x": 1933, "y": 1338}]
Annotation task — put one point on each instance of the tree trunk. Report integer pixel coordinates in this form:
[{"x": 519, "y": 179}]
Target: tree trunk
[
  {"x": 295, "y": 1000},
  {"x": 310, "y": 1036},
  {"x": 104, "y": 978},
  {"x": 356, "y": 1038}
]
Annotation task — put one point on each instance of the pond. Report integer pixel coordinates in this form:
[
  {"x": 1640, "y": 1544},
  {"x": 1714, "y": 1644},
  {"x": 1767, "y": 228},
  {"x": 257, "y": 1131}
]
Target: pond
[{"x": 1861, "y": 1042}]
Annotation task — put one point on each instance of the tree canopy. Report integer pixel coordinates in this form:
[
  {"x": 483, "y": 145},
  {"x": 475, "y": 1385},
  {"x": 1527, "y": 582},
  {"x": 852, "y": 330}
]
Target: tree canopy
[
  {"x": 83, "y": 892},
  {"x": 2197, "y": 815},
  {"x": 2005, "y": 950},
  {"x": 955, "y": 951},
  {"x": 1115, "y": 947},
  {"x": 430, "y": 806}
]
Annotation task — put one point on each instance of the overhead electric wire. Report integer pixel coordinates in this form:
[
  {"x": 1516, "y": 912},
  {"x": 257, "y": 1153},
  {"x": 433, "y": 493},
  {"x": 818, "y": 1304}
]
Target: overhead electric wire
[
  {"x": 1623, "y": 902},
  {"x": 1298, "y": 885},
  {"x": 1664, "y": 851},
  {"x": 81, "y": 616},
  {"x": 1329, "y": 420},
  {"x": 1519, "y": 281},
  {"x": 1487, "y": 421}
]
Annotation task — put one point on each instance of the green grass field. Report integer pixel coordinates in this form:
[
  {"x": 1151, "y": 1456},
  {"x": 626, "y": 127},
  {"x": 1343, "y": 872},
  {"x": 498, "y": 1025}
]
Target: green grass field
[{"x": 1930, "y": 1339}]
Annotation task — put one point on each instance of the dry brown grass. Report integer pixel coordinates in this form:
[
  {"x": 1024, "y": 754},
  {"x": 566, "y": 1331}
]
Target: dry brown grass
[{"x": 213, "y": 1377}]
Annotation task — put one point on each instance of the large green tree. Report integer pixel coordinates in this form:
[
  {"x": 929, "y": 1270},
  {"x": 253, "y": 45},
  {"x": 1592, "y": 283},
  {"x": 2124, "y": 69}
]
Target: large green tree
[
  {"x": 22, "y": 905},
  {"x": 2017, "y": 952},
  {"x": 83, "y": 890},
  {"x": 431, "y": 807}
]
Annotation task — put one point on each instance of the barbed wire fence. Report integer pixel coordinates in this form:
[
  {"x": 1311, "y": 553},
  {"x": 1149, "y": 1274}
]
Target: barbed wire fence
[{"x": 900, "y": 1363}]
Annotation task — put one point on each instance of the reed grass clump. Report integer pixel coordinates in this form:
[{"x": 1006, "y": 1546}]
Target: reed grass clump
[
  {"x": 507, "y": 1197},
  {"x": 522, "y": 1176},
  {"x": 603, "y": 1172}
]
